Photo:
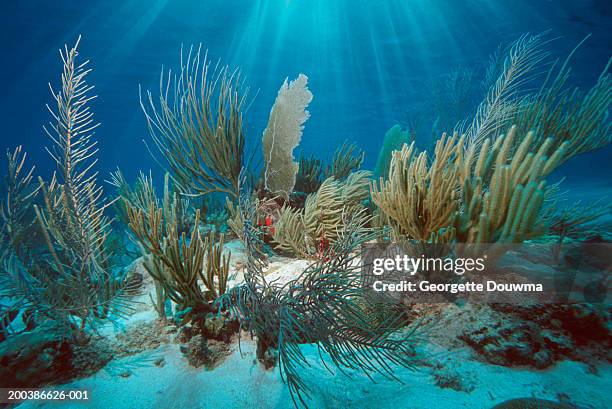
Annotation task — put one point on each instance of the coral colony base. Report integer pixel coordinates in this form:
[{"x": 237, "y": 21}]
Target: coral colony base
[{"x": 247, "y": 286}]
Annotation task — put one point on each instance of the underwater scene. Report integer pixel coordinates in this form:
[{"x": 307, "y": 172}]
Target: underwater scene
[{"x": 306, "y": 204}]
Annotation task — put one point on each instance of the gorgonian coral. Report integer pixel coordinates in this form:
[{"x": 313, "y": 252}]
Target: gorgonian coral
[
  {"x": 197, "y": 127},
  {"x": 283, "y": 134}
]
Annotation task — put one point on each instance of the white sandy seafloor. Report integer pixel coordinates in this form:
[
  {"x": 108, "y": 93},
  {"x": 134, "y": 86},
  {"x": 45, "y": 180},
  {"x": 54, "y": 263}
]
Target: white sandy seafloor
[{"x": 241, "y": 382}]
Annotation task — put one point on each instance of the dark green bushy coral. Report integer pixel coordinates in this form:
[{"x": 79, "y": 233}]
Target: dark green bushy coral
[
  {"x": 309, "y": 176},
  {"x": 347, "y": 159}
]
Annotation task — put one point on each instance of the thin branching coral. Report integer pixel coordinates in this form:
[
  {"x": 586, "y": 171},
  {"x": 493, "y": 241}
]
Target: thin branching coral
[
  {"x": 568, "y": 114},
  {"x": 72, "y": 282},
  {"x": 347, "y": 159},
  {"x": 177, "y": 263},
  {"x": 197, "y": 125},
  {"x": 217, "y": 266},
  {"x": 189, "y": 270},
  {"x": 522, "y": 64},
  {"x": 16, "y": 210},
  {"x": 234, "y": 219},
  {"x": 176, "y": 207},
  {"x": 141, "y": 195},
  {"x": 326, "y": 306},
  {"x": 17, "y": 249}
]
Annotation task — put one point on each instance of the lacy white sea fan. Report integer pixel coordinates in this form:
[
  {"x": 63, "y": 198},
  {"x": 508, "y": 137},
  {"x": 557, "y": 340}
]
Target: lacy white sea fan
[{"x": 283, "y": 134}]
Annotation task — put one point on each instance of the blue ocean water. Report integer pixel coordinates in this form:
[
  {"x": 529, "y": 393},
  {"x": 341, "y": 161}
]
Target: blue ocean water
[{"x": 368, "y": 62}]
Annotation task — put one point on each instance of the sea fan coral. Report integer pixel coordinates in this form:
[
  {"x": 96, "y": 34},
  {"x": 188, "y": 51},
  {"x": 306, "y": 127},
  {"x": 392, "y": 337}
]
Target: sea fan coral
[{"x": 283, "y": 134}]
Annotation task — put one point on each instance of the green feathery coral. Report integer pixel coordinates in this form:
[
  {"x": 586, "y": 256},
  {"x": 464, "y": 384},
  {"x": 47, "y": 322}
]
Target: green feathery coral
[{"x": 73, "y": 283}]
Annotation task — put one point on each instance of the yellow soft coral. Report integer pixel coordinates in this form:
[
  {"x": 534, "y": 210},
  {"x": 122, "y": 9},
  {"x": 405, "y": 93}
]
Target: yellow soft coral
[{"x": 492, "y": 193}]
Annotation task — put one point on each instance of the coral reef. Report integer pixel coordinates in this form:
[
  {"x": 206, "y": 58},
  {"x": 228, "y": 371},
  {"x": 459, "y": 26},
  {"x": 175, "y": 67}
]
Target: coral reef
[{"x": 484, "y": 184}]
